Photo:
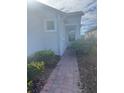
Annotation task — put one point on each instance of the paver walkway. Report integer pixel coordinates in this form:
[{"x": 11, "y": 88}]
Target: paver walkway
[{"x": 65, "y": 77}]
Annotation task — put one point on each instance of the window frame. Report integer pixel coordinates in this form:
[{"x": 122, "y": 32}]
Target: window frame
[{"x": 54, "y": 21}]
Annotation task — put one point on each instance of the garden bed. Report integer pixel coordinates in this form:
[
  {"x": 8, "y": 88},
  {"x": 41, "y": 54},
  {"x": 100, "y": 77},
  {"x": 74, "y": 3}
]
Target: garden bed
[
  {"x": 88, "y": 73},
  {"x": 40, "y": 81},
  {"x": 40, "y": 65},
  {"x": 86, "y": 51}
]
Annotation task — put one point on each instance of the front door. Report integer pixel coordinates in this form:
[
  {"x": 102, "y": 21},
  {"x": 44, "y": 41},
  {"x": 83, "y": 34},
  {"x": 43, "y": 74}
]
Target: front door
[{"x": 71, "y": 30}]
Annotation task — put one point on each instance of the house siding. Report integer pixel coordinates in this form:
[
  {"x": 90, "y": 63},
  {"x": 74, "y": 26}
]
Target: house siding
[
  {"x": 37, "y": 36},
  {"x": 62, "y": 34}
]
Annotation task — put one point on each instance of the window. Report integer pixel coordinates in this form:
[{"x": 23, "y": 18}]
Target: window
[{"x": 50, "y": 26}]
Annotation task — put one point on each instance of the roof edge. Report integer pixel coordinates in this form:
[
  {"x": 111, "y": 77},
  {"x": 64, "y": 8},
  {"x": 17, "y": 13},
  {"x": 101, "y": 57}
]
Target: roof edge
[{"x": 75, "y": 13}]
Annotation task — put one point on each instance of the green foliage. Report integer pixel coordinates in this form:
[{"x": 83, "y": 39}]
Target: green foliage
[
  {"x": 37, "y": 63},
  {"x": 93, "y": 50},
  {"x": 29, "y": 85},
  {"x": 47, "y": 56},
  {"x": 34, "y": 69},
  {"x": 80, "y": 46},
  {"x": 44, "y": 55},
  {"x": 84, "y": 47}
]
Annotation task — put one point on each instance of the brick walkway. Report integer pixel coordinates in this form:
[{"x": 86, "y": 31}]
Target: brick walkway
[{"x": 65, "y": 77}]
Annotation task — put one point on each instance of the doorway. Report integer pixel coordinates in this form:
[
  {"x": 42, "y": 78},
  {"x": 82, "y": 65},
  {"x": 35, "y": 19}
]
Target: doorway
[{"x": 71, "y": 33}]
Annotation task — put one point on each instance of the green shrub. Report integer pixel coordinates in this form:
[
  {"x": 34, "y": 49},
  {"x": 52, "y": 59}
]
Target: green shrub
[
  {"x": 84, "y": 47},
  {"x": 93, "y": 50},
  {"x": 37, "y": 63},
  {"x": 80, "y": 46},
  {"x": 29, "y": 85},
  {"x": 47, "y": 56},
  {"x": 34, "y": 69},
  {"x": 44, "y": 55}
]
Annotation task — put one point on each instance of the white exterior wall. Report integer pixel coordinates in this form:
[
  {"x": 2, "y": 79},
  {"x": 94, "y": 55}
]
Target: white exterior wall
[
  {"x": 37, "y": 36},
  {"x": 61, "y": 35}
]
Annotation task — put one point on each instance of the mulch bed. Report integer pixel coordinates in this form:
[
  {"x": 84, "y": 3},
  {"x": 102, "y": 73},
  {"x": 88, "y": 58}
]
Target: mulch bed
[
  {"x": 41, "y": 80},
  {"x": 88, "y": 73}
]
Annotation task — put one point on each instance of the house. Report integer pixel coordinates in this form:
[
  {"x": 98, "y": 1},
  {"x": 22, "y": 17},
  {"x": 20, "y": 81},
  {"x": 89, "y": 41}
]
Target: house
[
  {"x": 92, "y": 33},
  {"x": 51, "y": 29}
]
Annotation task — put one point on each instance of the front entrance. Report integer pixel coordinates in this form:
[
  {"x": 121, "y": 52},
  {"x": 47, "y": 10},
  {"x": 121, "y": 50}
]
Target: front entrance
[{"x": 71, "y": 33}]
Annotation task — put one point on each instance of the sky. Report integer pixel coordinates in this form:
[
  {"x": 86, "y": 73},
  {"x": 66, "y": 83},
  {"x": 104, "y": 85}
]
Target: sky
[
  {"x": 67, "y": 5},
  {"x": 89, "y": 7},
  {"x": 89, "y": 20}
]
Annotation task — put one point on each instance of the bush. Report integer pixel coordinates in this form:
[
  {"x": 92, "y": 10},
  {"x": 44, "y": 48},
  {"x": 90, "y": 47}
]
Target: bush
[
  {"x": 44, "y": 55},
  {"x": 80, "y": 47},
  {"x": 47, "y": 56},
  {"x": 93, "y": 50},
  {"x": 38, "y": 63},
  {"x": 34, "y": 68},
  {"x": 29, "y": 85},
  {"x": 84, "y": 47}
]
